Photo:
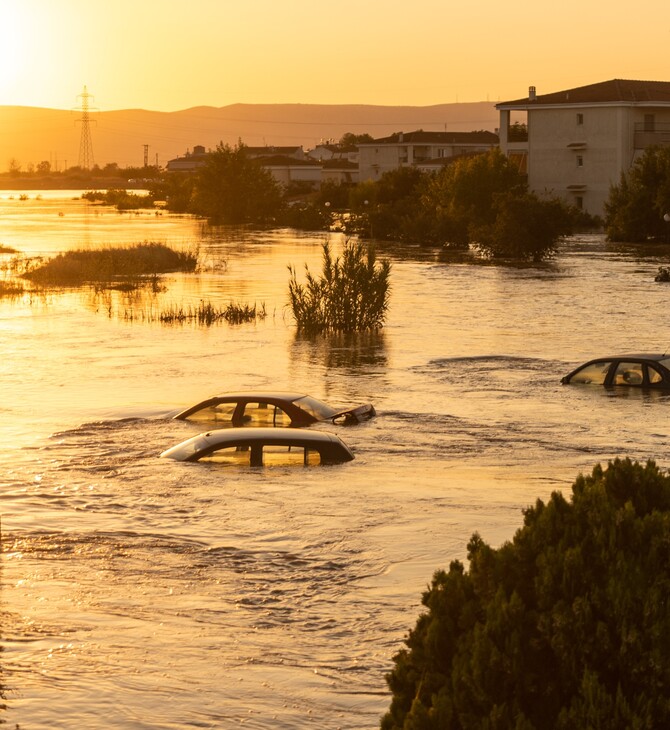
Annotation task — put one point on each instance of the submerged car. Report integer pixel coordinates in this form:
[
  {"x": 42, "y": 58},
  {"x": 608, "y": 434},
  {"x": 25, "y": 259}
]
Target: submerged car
[
  {"x": 642, "y": 371},
  {"x": 272, "y": 409},
  {"x": 262, "y": 447}
]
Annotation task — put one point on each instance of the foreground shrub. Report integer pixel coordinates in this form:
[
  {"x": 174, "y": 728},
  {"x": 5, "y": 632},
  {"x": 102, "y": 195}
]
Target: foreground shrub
[
  {"x": 74, "y": 268},
  {"x": 567, "y": 626},
  {"x": 351, "y": 295}
]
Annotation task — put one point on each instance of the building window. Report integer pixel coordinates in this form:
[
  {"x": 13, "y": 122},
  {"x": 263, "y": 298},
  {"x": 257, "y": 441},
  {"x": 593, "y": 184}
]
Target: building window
[
  {"x": 649, "y": 123},
  {"x": 579, "y": 202},
  {"x": 580, "y": 161},
  {"x": 580, "y": 119}
]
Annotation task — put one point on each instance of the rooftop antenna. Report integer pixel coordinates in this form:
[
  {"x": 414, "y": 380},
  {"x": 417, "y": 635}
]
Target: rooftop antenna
[{"x": 85, "y": 144}]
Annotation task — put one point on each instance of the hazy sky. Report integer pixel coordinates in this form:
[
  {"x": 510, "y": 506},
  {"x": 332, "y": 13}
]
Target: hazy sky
[{"x": 168, "y": 55}]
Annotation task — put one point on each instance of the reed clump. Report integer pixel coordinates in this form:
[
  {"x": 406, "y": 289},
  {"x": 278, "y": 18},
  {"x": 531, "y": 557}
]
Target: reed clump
[
  {"x": 207, "y": 314},
  {"x": 350, "y": 295},
  {"x": 78, "y": 267}
]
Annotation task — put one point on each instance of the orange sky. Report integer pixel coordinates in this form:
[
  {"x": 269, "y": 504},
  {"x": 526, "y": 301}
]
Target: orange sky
[{"x": 168, "y": 55}]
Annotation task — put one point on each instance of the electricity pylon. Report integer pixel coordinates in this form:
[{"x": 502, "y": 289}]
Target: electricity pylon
[{"x": 85, "y": 145}]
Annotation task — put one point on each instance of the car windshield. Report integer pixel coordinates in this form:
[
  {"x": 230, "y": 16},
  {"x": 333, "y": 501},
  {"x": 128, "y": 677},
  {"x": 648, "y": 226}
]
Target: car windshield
[
  {"x": 594, "y": 372},
  {"x": 315, "y": 407}
]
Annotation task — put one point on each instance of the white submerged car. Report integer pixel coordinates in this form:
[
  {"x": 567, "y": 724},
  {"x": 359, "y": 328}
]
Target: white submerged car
[{"x": 262, "y": 447}]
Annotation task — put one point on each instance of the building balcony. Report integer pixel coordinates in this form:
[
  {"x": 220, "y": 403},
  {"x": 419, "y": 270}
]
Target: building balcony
[{"x": 646, "y": 137}]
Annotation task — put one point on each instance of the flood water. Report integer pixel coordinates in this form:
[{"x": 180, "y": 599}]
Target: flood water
[{"x": 145, "y": 593}]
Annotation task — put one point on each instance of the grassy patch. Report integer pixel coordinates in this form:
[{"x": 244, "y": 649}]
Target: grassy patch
[
  {"x": 122, "y": 199},
  {"x": 75, "y": 268},
  {"x": 10, "y": 289},
  {"x": 204, "y": 314}
]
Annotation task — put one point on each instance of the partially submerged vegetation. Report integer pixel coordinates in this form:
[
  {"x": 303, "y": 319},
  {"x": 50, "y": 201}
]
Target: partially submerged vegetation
[
  {"x": 207, "y": 314},
  {"x": 351, "y": 295},
  {"x": 11, "y": 290},
  {"x": 479, "y": 202},
  {"x": 137, "y": 263},
  {"x": 638, "y": 207},
  {"x": 122, "y": 199}
]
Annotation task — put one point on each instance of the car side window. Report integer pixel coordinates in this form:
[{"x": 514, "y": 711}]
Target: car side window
[
  {"x": 595, "y": 372},
  {"x": 221, "y": 413},
  {"x": 264, "y": 414},
  {"x": 231, "y": 456},
  {"x": 628, "y": 373},
  {"x": 284, "y": 455},
  {"x": 654, "y": 375}
]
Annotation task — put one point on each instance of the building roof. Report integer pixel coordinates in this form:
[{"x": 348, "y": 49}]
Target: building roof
[
  {"x": 284, "y": 160},
  {"x": 421, "y": 137},
  {"x": 269, "y": 150},
  {"x": 622, "y": 91},
  {"x": 339, "y": 164}
]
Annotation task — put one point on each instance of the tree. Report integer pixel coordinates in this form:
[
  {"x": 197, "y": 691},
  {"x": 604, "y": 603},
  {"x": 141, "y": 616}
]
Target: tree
[
  {"x": 635, "y": 208},
  {"x": 44, "y": 167},
  {"x": 349, "y": 139},
  {"x": 525, "y": 227},
  {"x": 233, "y": 188},
  {"x": 567, "y": 626}
]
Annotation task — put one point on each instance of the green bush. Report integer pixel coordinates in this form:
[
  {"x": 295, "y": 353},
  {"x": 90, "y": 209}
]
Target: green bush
[
  {"x": 567, "y": 626},
  {"x": 351, "y": 295}
]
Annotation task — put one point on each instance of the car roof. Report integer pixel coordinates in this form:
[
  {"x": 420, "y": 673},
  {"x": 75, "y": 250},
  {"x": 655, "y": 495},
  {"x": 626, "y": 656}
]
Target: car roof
[
  {"x": 261, "y": 395},
  {"x": 630, "y": 356},
  {"x": 277, "y": 435},
  {"x": 222, "y": 437}
]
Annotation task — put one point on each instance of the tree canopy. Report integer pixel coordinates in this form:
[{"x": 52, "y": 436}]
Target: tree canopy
[
  {"x": 480, "y": 200},
  {"x": 567, "y": 626},
  {"x": 233, "y": 188},
  {"x": 636, "y": 206}
]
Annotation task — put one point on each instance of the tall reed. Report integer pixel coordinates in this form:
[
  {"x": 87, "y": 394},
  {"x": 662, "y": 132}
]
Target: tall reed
[{"x": 350, "y": 295}]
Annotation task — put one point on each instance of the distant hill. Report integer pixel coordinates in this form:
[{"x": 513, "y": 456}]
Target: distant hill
[{"x": 32, "y": 134}]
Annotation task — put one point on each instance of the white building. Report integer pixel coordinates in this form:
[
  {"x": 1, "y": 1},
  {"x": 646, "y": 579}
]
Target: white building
[
  {"x": 580, "y": 140},
  {"x": 407, "y": 149}
]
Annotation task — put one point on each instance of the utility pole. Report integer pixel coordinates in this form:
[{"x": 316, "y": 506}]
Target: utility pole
[{"x": 85, "y": 144}]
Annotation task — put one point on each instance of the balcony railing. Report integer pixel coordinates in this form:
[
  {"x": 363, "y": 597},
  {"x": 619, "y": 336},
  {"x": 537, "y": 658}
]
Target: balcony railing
[{"x": 648, "y": 135}]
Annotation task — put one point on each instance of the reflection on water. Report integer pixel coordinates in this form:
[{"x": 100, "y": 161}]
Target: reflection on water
[
  {"x": 356, "y": 352},
  {"x": 138, "y": 592}
]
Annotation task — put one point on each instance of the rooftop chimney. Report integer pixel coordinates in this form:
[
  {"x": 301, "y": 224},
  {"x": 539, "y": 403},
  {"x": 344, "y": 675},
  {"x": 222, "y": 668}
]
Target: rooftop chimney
[{"x": 531, "y": 93}]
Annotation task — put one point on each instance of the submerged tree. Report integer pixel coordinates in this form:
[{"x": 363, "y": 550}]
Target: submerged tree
[
  {"x": 567, "y": 626},
  {"x": 234, "y": 188},
  {"x": 636, "y": 207},
  {"x": 351, "y": 295}
]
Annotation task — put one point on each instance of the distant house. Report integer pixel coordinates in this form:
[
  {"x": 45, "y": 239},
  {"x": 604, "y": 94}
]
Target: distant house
[
  {"x": 580, "y": 140},
  {"x": 339, "y": 171},
  {"x": 407, "y": 149},
  {"x": 288, "y": 170},
  {"x": 331, "y": 151},
  {"x": 189, "y": 162},
  {"x": 296, "y": 152},
  {"x": 193, "y": 160}
]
